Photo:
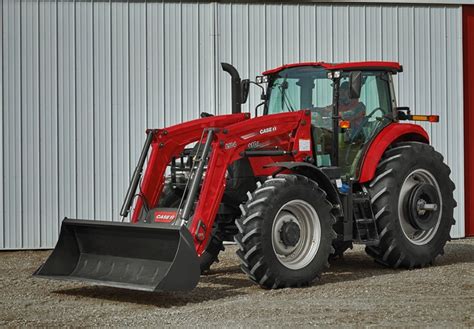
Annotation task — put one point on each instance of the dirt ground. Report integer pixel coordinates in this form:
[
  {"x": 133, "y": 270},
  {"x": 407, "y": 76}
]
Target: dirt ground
[{"x": 354, "y": 292}]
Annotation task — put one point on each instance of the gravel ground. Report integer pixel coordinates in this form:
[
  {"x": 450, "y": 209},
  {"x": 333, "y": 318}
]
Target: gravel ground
[{"x": 354, "y": 292}]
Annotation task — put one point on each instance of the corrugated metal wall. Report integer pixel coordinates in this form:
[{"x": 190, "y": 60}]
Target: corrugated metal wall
[{"x": 82, "y": 80}]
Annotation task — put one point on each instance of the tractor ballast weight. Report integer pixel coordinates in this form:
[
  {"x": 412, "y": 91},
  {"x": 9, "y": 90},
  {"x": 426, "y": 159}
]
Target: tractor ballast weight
[{"x": 293, "y": 188}]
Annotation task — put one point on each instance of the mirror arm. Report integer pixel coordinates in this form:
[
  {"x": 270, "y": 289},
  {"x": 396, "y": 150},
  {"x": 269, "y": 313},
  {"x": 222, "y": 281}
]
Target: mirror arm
[{"x": 256, "y": 108}]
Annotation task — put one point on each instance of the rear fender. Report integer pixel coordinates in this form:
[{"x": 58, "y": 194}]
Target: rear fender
[{"x": 393, "y": 133}]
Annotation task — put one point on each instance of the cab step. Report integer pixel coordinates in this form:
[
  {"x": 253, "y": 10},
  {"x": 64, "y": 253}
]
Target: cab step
[{"x": 365, "y": 225}]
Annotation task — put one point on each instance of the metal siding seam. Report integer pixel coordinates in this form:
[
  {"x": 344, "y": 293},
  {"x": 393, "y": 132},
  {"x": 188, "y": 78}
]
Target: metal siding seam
[
  {"x": 2, "y": 122},
  {"x": 39, "y": 125},
  {"x": 55, "y": 234},
  {"x": 94, "y": 174},
  {"x": 146, "y": 64},
  {"x": 460, "y": 131},
  {"x": 75, "y": 107},
  {"x": 178, "y": 93},
  {"x": 112, "y": 140},
  {"x": 198, "y": 56}
]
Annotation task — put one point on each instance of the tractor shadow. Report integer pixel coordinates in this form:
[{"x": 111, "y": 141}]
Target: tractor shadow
[
  {"x": 356, "y": 265},
  {"x": 227, "y": 280},
  {"x": 223, "y": 283}
]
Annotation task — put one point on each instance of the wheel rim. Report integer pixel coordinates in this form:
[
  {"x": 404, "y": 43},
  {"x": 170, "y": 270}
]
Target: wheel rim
[
  {"x": 296, "y": 254},
  {"x": 414, "y": 234}
]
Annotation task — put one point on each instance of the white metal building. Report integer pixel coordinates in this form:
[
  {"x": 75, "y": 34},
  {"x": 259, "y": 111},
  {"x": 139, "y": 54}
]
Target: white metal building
[{"x": 81, "y": 80}]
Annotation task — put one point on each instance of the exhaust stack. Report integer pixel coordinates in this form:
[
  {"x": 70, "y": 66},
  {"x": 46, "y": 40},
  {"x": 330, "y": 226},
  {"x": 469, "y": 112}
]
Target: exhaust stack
[{"x": 236, "y": 87}]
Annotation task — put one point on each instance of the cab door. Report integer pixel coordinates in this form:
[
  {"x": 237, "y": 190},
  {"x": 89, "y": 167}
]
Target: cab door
[{"x": 366, "y": 115}]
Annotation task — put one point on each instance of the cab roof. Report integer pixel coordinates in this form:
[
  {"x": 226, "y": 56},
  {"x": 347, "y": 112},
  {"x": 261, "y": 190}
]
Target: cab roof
[{"x": 384, "y": 66}]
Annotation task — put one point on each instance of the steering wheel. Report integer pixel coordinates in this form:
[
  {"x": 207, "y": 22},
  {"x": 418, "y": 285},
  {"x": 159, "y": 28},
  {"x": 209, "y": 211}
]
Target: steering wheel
[{"x": 364, "y": 122}]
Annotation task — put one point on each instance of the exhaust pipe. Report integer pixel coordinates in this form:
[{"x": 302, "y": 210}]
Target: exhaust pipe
[{"x": 236, "y": 88}]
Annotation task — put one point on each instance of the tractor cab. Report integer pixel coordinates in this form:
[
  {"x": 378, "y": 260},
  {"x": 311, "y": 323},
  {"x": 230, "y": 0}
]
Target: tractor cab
[{"x": 348, "y": 106}]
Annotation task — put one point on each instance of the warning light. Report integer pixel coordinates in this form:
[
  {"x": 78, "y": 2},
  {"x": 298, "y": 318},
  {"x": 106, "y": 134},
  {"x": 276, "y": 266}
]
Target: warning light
[
  {"x": 429, "y": 118},
  {"x": 344, "y": 124}
]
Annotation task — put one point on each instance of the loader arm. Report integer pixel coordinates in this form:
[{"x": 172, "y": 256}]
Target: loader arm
[
  {"x": 168, "y": 143},
  {"x": 229, "y": 145}
]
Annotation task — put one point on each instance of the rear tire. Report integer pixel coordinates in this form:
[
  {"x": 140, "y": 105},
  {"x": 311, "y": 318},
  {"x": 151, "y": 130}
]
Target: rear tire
[
  {"x": 285, "y": 232},
  {"x": 409, "y": 235}
]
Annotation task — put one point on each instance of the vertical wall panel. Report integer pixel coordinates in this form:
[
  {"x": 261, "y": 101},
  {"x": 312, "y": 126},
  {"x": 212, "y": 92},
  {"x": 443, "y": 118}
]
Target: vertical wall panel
[
  {"x": 307, "y": 33},
  {"x": 120, "y": 130},
  {"x": 48, "y": 123},
  {"x": 274, "y": 35},
  {"x": 324, "y": 32},
  {"x": 67, "y": 112},
  {"x": 341, "y": 34},
  {"x": 155, "y": 64},
  {"x": 290, "y": 24},
  {"x": 85, "y": 138},
  {"x": 207, "y": 60},
  {"x": 257, "y": 64},
  {"x": 137, "y": 19},
  {"x": 406, "y": 56},
  {"x": 357, "y": 35},
  {"x": 189, "y": 62},
  {"x": 224, "y": 53},
  {"x": 373, "y": 30},
  {"x": 173, "y": 63},
  {"x": 239, "y": 35},
  {"x": 12, "y": 95},
  {"x": 30, "y": 115},
  {"x": 82, "y": 80},
  {"x": 102, "y": 116},
  {"x": 422, "y": 63},
  {"x": 438, "y": 78},
  {"x": 453, "y": 122}
]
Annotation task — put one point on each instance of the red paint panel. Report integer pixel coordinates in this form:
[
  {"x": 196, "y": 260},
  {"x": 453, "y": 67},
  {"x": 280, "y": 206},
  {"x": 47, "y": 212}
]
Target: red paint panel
[
  {"x": 387, "y": 136},
  {"x": 468, "y": 46},
  {"x": 393, "y": 66}
]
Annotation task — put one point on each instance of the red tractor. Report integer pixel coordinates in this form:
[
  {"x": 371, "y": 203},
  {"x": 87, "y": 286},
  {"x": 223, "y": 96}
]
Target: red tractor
[{"x": 327, "y": 164}]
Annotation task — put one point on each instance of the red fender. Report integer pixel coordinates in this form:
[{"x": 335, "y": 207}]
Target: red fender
[{"x": 391, "y": 133}]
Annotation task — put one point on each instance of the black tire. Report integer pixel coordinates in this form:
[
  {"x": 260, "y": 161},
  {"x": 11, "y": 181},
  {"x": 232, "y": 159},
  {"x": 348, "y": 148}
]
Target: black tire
[
  {"x": 418, "y": 247},
  {"x": 171, "y": 198},
  {"x": 257, "y": 254}
]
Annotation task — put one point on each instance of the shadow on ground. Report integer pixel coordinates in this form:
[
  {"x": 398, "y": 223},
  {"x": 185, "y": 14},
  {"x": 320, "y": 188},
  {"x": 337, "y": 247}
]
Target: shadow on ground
[{"x": 229, "y": 281}]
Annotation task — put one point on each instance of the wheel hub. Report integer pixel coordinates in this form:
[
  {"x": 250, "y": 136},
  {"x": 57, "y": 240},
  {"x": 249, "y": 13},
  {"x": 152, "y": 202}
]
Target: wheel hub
[
  {"x": 422, "y": 206},
  {"x": 290, "y": 234},
  {"x": 296, "y": 234}
]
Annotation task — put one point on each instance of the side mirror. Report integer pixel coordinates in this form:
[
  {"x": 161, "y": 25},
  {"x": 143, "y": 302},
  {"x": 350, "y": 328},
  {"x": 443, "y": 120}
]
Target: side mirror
[
  {"x": 355, "y": 83},
  {"x": 244, "y": 90}
]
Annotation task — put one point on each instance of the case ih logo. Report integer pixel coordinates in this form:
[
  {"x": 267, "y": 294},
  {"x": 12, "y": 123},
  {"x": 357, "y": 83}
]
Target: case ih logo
[
  {"x": 164, "y": 216},
  {"x": 267, "y": 130}
]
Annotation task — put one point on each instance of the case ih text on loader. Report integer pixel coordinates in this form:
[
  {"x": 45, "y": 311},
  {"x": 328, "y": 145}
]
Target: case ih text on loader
[{"x": 328, "y": 163}]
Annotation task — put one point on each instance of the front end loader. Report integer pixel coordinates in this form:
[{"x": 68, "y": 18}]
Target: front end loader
[{"x": 330, "y": 162}]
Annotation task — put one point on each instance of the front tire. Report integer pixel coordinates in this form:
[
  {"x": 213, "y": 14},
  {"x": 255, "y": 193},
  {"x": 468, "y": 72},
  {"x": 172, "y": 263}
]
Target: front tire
[
  {"x": 410, "y": 178},
  {"x": 285, "y": 232}
]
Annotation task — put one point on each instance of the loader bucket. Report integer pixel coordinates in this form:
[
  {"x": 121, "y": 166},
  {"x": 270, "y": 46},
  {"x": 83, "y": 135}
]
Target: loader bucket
[{"x": 149, "y": 257}]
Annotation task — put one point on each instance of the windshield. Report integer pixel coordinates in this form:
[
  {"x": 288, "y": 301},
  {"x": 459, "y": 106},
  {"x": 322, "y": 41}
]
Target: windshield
[{"x": 299, "y": 88}]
